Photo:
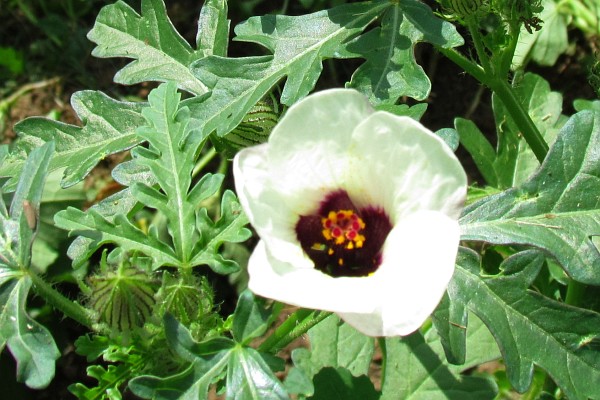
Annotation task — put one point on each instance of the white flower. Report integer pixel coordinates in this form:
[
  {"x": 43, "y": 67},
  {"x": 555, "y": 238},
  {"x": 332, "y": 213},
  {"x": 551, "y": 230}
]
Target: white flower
[{"x": 356, "y": 211}]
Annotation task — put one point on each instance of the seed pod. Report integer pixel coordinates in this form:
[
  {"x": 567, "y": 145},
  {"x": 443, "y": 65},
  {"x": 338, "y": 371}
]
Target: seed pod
[
  {"x": 123, "y": 299},
  {"x": 254, "y": 129},
  {"x": 462, "y": 8}
]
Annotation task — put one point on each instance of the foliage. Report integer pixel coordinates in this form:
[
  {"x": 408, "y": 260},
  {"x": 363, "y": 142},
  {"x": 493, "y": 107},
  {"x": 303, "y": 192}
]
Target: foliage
[
  {"x": 30, "y": 343},
  {"x": 150, "y": 259}
]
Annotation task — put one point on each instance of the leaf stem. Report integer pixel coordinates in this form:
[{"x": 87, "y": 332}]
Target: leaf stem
[
  {"x": 53, "y": 297},
  {"x": 296, "y": 325},
  {"x": 206, "y": 158}
]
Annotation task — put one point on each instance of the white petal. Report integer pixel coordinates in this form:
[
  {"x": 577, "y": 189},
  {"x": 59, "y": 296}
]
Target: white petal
[
  {"x": 400, "y": 165},
  {"x": 308, "y": 148},
  {"x": 263, "y": 205},
  {"x": 419, "y": 258},
  {"x": 310, "y": 288}
]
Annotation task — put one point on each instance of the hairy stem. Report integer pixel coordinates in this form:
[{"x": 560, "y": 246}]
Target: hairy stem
[
  {"x": 53, "y": 297},
  {"x": 296, "y": 325}
]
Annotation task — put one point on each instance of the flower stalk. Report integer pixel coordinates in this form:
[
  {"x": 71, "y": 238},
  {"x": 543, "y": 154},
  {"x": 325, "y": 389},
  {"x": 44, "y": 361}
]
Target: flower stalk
[{"x": 296, "y": 325}]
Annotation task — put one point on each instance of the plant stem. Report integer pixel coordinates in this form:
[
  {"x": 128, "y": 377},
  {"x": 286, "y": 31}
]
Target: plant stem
[
  {"x": 530, "y": 133},
  {"x": 518, "y": 113},
  {"x": 383, "y": 347},
  {"x": 467, "y": 65},
  {"x": 296, "y": 325},
  {"x": 206, "y": 158},
  {"x": 53, "y": 297},
  {"x": 480, "y": 48}
]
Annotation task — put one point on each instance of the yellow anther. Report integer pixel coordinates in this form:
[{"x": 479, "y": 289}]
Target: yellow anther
[{"x": 343, "y": 226}]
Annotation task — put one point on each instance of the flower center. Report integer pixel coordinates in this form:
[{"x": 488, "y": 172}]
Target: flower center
[
  {"x": 343, "y": 240},
  {"x": 343, "y": 225}
]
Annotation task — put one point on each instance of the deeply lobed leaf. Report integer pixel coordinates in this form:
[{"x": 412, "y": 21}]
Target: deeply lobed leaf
[
  {"x": 557, "y": 209},
  {"x": 109, "y": 127},
  {"x": 160, "y": 53},
  {"x": 94, "y": 226},
  {"x": 391, "y": 70},
  {"x": 529, "y": 328},
  {"x": 170, "y": 157},
  {"x": 30, "y": 343},
  {"x": 299, "y": 44},
  {"x": 248, "y": 375},
  {"x": 230, "y": 227}
]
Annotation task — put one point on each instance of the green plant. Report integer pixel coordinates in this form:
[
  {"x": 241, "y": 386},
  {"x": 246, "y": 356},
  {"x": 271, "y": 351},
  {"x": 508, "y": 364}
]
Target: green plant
[{"x": 527, "y": 262}]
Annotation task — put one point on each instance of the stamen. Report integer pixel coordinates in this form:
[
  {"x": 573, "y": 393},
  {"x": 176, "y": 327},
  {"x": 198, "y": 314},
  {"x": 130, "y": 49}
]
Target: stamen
[
  {"x": 341, "y": 226},
  {"x": 342, "y": 239}
]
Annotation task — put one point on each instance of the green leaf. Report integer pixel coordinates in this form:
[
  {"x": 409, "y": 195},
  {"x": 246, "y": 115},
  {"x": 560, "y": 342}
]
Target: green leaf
[
  {"x": 479, "y": 148},
  {"x": 557, "y": 209},
  {"x": 30, "y": 343},
  {"x": 391, "y": 70},
  {"x": 91, "y": 347},
  {"x": 159, "y": 51},
  {"x": 299, "y": 44},
  {"x": 530, "y": 328},
  {"x": 450, "y": 137},
  {"x": 250, "y": 378},
  {"x": 516, "y": 161},
  {"x": 338, "y": 383},
  {"x": 24, "y": 209},
  {"x": 111, "y": 378},
  {"x": 93, "y": 225},
  {"x": 109, "y": 127},
  {"x": 513, "y": 162},
  {"x": 213, "y": 28},
  {"x": 333, "y": 344},
  {"x": 250, "y": 319},
  {"x": 581, "y": 104},
  {"x": 120, "y": 203},
  {"x": 415, "y": 112},
  {"x": 450, "y": 322},
  {"x": 208, "y": 361},
  {"x": 170, "y": 157},
  {"x": 230, "y": 227},
  {"x": 248, "y": 375},
  {"x": 417, "y": 369},
  {"x": 543, "y": 46}
]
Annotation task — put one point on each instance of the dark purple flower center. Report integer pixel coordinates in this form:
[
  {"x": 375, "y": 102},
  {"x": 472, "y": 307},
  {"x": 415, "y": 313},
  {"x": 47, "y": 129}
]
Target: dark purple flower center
[{"x": 341, "y": 239}]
